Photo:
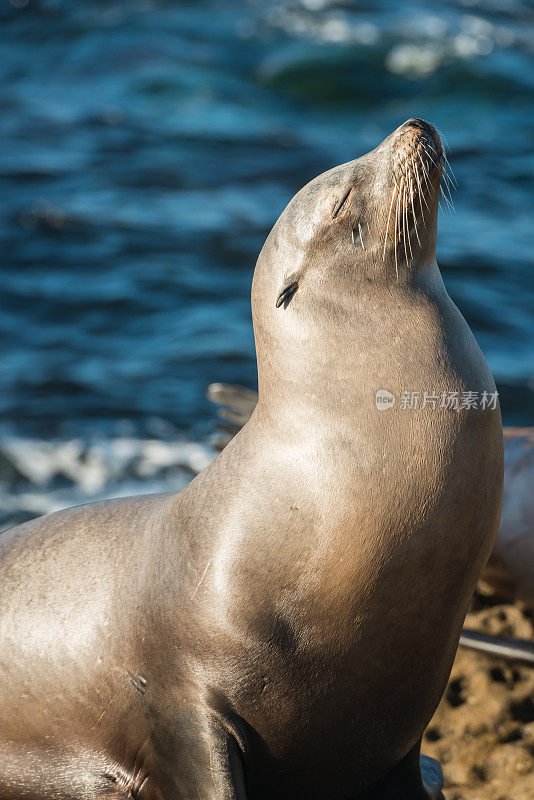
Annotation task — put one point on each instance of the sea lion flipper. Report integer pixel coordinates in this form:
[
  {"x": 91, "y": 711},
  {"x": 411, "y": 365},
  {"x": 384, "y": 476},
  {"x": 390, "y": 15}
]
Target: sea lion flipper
[
  {"x": 236, "y": 405},
  {"x": 237, "y": 398},
  {"x": 205, "y": 760}
]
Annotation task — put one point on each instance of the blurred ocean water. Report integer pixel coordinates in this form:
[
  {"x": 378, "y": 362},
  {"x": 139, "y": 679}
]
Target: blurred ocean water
[{"x": 147, "y": 149}]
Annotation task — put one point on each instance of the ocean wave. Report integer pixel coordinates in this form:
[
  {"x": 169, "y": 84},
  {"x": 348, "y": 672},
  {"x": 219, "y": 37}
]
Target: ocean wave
[
  {"x": 148, "y": 148},
  {"x": 39, "y": 477}
]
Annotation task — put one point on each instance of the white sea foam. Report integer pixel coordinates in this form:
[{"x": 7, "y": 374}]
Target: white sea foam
[{"x": 38, "y": 477}]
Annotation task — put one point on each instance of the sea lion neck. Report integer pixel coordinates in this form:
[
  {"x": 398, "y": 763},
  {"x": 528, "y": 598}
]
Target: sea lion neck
[{"x": 326, "y": 349}]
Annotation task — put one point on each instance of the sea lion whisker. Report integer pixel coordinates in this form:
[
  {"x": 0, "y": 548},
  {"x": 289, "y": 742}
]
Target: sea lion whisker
[
  {"x": 446, "y": 181},
  {"x": 450, "y": 178},
  {"x": 396, "y": 234},
  {"x": 409, "y": 188},
  {"x": 432, "y": 161},
  {"x": 430, "y": 157},
  {"x": 407, "y": 200},
  {"x": 426, "y": 183},
  {"x": 414, "y": 214},
  {"x": 408, "y": 225},
  {"x": 444, "y": 141},
  {"x": 393, "y": 193},
  {"x": 436, "y": 164},
  {"x": 404, "y": 222},
  {"x": 425, "y": 146},
  {"x": 443, "y": 156},
  {"x": 404, "y": 226},
  {"x": 401, "y": 219},
  {"x": 361, "y": 237},
  {"x": 444, "y": 178},
  {"x": 439, "y": 204},
  {"x": 449, "y": 202},
  {"x": 352, "y": 235},
  {"x": 449, "y": 193},
  {"x": 442, "y": 136},
  {"x": 446, "y": 203},
  {"x": 406, "y": 169},
  {"x": 449, "y": 169},
  {"x": 446, "y": 163},
  {"x": 420, "y": 190},
  {"x": 423, "y": 168},
  {"x": 445, "y": 198},
  {"x": 398, "y": 229}
]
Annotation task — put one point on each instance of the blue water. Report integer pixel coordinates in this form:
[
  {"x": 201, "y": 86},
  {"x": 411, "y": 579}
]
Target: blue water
[{"x": 148, "y": 147}]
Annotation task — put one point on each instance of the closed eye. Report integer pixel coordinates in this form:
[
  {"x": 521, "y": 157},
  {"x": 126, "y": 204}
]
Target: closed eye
[{"x": 342, "y": 207}]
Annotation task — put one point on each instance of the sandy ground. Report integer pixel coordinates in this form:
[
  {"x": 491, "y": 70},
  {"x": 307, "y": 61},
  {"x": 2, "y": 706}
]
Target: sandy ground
[{"x": 483, "y": 730}]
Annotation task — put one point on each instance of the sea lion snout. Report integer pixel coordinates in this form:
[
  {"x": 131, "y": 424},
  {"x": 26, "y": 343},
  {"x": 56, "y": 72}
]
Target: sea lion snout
[
  {"x": 422, "y": 126},
  {"x": 417, "y": 144},
  {"x": 416, "y": 165}
]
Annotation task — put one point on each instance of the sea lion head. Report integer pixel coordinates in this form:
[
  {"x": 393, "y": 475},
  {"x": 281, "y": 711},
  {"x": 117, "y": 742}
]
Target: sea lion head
[
  {"x": 373, "y": 218},
  {"x": 361, "y": 228}
]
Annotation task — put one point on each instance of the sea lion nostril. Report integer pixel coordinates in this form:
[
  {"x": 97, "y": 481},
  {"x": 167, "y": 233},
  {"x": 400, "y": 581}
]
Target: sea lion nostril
[{"x": 416, "y": 122}]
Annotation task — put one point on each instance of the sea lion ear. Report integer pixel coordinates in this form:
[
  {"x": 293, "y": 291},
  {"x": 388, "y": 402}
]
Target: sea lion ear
[{"x": 289, "y": 287}]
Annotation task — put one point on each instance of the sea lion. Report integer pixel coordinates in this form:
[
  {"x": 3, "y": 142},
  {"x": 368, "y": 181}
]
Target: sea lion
[
  {"x": 510, "y": 569},
  {"x": 285, "y": 626}
]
